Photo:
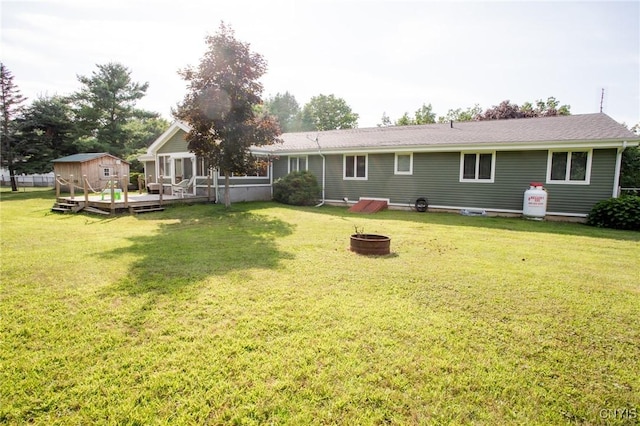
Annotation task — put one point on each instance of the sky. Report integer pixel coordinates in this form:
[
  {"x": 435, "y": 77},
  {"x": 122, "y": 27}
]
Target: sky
[{"x": 380, "y": 56}]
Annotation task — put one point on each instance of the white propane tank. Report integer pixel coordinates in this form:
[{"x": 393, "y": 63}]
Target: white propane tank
[{"x": 535, "y": 202}]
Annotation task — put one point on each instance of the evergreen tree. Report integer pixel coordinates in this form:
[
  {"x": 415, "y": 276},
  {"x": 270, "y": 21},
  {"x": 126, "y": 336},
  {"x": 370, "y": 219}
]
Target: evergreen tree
[
  {"x": 104, "y": 106},
  {"x": 47, "y": 133},
  {"x": 11, "y": 109}
]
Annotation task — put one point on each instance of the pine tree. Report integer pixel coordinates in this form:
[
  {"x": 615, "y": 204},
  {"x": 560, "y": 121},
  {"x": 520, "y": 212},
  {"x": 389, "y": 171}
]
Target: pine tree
[{"x": 10, "y": 100}]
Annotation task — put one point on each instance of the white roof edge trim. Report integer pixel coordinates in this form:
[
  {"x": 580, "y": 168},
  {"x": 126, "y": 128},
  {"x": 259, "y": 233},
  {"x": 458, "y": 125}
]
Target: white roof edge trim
[{"x": 519, "y": 146}]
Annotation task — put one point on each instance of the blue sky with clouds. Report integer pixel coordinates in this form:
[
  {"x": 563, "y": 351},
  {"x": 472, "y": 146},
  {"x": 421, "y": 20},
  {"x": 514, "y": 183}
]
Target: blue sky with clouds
[{"x": 381, "y": 56}]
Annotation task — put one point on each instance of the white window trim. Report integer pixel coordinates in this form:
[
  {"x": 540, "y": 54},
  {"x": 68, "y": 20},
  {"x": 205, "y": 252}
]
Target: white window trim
[
  {"x": 366, "y": 166},
  {"x": 106, "y": 172},
  {"x": 477, "y": 153},
  {"x": 162, "y": 161},
  {"x": 395, "y": 164},
  {"x": 566, "y": 180},
  {"x": 298, "y": 157}
]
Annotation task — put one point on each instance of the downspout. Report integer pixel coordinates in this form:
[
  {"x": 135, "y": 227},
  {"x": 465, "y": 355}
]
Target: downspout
[
  {"x": 323, "y": 171},
  {"x": 616, "y": 175},
  {"x": 271, "y": 176},
  {"x": 214, "y": 171}
]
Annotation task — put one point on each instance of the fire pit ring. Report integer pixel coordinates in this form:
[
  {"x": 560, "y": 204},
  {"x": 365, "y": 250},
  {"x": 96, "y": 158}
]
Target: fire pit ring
[{"x": 370, "y": 244}]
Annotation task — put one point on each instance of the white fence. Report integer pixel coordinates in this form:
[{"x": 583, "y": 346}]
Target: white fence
[
  {"x": 46, "y": 180},
  {"x": 628, "y": 191}
]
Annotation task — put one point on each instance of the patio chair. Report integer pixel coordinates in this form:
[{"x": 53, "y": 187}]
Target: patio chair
[{"x": 182, "y": 187}]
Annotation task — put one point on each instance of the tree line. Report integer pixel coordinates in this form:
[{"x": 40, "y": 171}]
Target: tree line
[
  {"x": 223, "y": 106},
  {"x": 503, "y": 111},
  {"x": 100, "y": 117}
]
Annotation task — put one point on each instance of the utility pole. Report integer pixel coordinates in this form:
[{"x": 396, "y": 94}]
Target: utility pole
[{"x": 601, "y": 99}]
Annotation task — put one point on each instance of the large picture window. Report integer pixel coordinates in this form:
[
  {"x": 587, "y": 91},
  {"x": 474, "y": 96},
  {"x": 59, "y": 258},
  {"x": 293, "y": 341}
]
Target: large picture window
[
  {"x": 569, "y": 167},
  {"x": 355, "y": 166},
  {"x": 477, "y": 166}
]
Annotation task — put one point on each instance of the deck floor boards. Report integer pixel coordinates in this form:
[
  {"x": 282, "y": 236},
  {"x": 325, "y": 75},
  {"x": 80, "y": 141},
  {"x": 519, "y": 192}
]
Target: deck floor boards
[{"x": 134, "y": 200}]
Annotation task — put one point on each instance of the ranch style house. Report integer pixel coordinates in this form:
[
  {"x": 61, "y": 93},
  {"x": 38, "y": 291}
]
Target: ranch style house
[{"x": 475, "y": 165}]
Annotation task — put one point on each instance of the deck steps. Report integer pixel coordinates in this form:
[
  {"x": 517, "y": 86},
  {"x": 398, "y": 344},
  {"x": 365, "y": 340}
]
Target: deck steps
[
  {"x": 368, "y": 206},
  {"x": 64, "y": 206},
  {"x": 55, "y": 209}
]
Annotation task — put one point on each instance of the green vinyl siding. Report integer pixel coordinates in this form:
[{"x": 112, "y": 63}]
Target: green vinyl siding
[
  {"x": 436, "y": 176},
  {"x": 177, "y": 143},
  {"x": 150, "y": 170},
  {"x": 280, "y": 167},
  {"x": 314, "y": 165},
  {"x": 571, "y": 198}
]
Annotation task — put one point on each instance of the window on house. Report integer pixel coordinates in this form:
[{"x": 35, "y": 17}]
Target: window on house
[
  {"x": 477, "y": 167},
  {"x": 569, "y": 167},
  {"x": 404, "y": 164},
  {"x": 202, "y": 167},
  {"x": 355, "y": 166},
  {"x": 165, "y": 165},
  {"x": 177, "y": 167},
  {"x": 259, "y": 168},
  {"x": 297, "y": 163},
  {"x": 106, "y": 172}
]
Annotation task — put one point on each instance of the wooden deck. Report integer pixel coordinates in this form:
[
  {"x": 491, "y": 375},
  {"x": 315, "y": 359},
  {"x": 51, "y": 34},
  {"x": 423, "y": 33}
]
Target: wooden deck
[{"x": 135, "y": 203}]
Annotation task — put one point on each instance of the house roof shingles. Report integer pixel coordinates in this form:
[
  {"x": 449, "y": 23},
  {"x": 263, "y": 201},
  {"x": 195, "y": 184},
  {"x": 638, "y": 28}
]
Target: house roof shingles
[{"x": 571, "y": 128}]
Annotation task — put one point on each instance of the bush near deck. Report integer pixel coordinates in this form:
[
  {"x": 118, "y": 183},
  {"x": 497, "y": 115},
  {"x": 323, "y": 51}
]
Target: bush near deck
[{"x": 261, "y": 314}]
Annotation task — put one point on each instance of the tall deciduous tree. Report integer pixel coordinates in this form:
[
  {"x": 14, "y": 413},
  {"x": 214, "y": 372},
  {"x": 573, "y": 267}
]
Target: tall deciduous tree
[
  {"x": 459, "y": 114},
  {"x": 104, "y": 105},
  {"x": 286, "y": 109},
  {"x": 385, "y": 120},
  {"x": 221, "y": 106},
  {"x": 141, "y": 132},
  {"x": 630, "y": 170},
  {"x": 328, "y": 113},
  {"x": 10, "y": 106},
  {"x": 424, "y": 115},
  {"x": 47, "y": 133},
  {"x": 507, "y": 110}
]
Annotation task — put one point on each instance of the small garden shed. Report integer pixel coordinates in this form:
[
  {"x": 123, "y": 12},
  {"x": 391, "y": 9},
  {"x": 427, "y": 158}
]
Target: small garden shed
[{"x": 99, "y": 168}]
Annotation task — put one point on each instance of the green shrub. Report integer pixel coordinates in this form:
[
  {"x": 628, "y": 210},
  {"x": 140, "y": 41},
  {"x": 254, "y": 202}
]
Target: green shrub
[
  {"x": 297, "y": 188},
  {"x": 617, "y": 213},
  {"x": 133, "y": 178}
]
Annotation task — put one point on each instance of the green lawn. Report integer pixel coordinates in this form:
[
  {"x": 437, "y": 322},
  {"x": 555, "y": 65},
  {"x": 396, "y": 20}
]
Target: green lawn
[{"x": 261, "y": 315}]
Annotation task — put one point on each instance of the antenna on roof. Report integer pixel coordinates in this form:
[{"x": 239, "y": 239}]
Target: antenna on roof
[
  {"x": 601, "y": 99},
  {"x": 315, "y": 140}
]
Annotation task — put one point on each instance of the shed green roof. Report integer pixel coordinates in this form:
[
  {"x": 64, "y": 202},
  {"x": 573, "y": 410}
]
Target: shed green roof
[{"x": 81, "y": 158}]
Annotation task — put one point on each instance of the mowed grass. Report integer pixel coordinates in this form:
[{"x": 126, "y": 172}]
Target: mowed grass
[{"x": 261, "y": 315}]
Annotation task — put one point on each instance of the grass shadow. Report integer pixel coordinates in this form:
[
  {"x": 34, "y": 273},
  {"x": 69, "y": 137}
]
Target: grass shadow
[{"x": 198, "y": 242}]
